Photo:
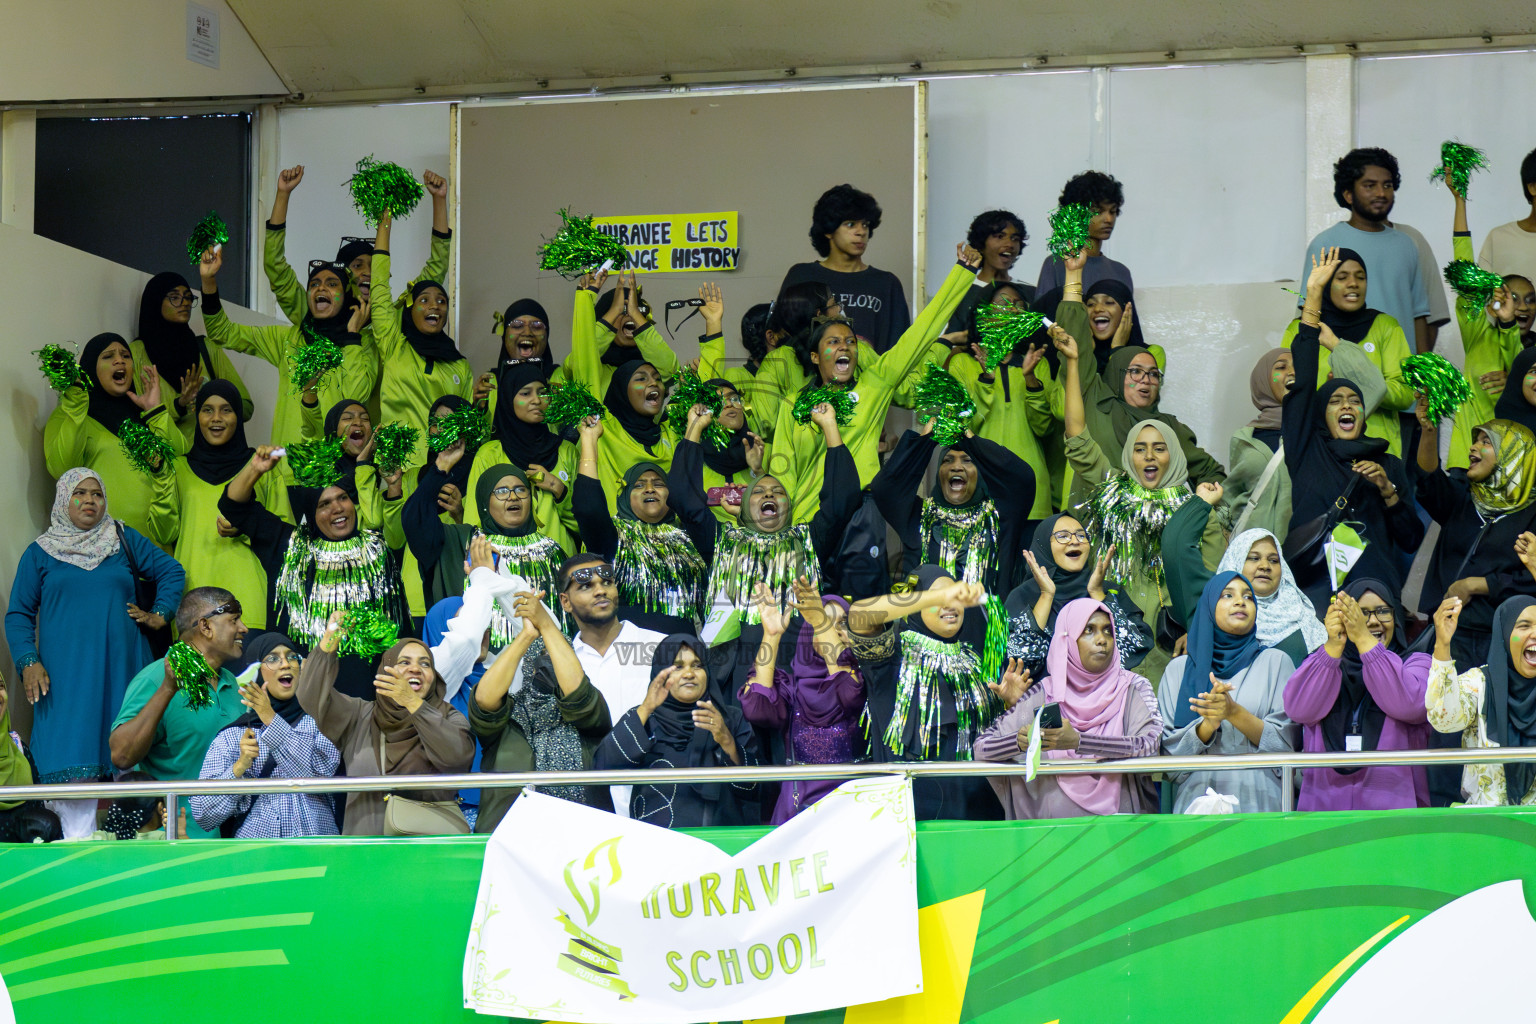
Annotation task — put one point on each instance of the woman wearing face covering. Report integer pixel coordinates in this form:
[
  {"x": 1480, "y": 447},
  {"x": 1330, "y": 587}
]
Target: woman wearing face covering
[
  {"x": 920, "y": 654},
  {"x": 1125, "y": 513},
  {"x": 684, "y": 722},
  {"x": 419, "y": 731},
  {"x": 273, "y": 739},
  {"x": 69, "y": 626},
  {"x": 504, "y": 500},
  {"x": 184, "y": 359},
  {"x": 661, "y": 575},
  {"x": 1331, "y": 461},
  {"x": 329, "y": 317},
  {"x": 1491, "y": 706},
  {"x": 186, "y": 509},
  {"x": 1128, "y": 391},
  {"x": 1361, "y": 691},
  {"x": 418, "y": 360},
  {"x": 1286, "y": 618},
  {"x": 1106, "y": 711},
  {"x": 960, "y": 525},
  {"x": 520, "y": 437},
  {"x": 1059, "y": 573},
  {"x": 1336, "y": 309},
  {"x": 83, "y": 429},
  {"x": 327, "y": 562},
  {"x": 1482, "y": 511},
  {"x": 1227, "y": 696},
  {"x": 535, "y": 710}
]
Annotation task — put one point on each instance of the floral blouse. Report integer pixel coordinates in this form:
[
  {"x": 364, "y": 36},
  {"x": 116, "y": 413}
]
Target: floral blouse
[{"x": 1456, "y": 702}]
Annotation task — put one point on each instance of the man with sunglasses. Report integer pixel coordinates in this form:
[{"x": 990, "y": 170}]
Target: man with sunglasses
[
  {"x": 156, "y": 731},
  {"x": 614, "y": 653}
]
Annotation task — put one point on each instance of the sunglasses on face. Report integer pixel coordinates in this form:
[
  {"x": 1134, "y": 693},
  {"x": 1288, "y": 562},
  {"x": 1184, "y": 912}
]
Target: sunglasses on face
[
  {"x": 227, "y": 608},
  {"x": 587, "y": 574}
]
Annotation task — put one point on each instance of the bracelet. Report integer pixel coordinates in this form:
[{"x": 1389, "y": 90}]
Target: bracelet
[{"x": 1315, "y": 312}]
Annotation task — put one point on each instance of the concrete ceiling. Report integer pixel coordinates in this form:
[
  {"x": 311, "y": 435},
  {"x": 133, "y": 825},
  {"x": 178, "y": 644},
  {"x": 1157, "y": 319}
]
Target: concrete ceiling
[{"x": 442, "y": 46}]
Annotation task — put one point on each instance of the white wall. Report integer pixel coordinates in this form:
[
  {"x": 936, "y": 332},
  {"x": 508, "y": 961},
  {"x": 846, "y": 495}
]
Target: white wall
[
  {"x": 90, "y": 50},
  {"x": 329, "y": 141},
  {"x": 92, "y": 295}
]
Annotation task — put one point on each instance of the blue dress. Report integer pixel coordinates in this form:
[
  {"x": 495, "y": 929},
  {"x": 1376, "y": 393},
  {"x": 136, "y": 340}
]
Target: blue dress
[{"x": 75, "y": 621}]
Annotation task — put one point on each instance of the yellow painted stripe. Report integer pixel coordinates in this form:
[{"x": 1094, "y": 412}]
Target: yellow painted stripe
[{"x": 1301, "y": 1010}]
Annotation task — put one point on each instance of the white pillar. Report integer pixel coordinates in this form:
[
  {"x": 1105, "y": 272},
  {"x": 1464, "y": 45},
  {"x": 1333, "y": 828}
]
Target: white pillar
[
  {"x": 1330, "y": 131},
  {"x": 18, "y": 167}
]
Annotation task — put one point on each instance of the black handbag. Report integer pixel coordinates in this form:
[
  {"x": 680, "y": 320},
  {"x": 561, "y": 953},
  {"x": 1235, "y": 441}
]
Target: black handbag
[
  {"x": 145, "y": 590},
  {"x": 1305, "y": 547}
]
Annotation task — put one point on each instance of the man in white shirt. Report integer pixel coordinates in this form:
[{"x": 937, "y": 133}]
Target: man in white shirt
[
  {"x": 614, "y": 653},
  {"x": 1511, "y": 248}
]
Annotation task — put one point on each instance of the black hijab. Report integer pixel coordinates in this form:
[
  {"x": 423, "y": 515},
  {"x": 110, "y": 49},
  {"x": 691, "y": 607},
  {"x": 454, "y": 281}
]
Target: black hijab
[
  {"x": 333, "y": 327},
  {"x": 1348, "y": 326},
  {"x": 305, "y": 500},
  {"x": 1344, "y": 450},
  {"x": 288, "y": 710},
  {"x": 333, "y": 422},
  {"x": 173, "y": 347},
  {"x": 642, "y": 428},
  {"x": 1069, "y": 585},
  {"x": 111, "y": 412},
  {"x": 1512, "y": 404},
  {"x": 731, "y": 459},
  {"x": 483, "y": 488},
  {"x": 1355, "y": 712},
  {"x": 523, "y": 443},
  {"x": 978, "y": 493},
  {"x": 671, "y": 724},
  {"x": 1509, "y": 700},
  {"x": 973, "y": 627},
  {"x": 1048, "y": 303},
  {"x": 621, "y": 506},
  {"x": 217, "y": 464},
  {"x": 525, "y": 307},
  {"x": 616, "y": 355},
  {"x": 459, "y": 474},
  {"x": 433, "y": 348},
  {"x": 1118, "y": 291}
]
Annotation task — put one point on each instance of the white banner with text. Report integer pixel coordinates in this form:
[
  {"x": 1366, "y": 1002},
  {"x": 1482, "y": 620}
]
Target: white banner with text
[{"x": 585, "y": 916}]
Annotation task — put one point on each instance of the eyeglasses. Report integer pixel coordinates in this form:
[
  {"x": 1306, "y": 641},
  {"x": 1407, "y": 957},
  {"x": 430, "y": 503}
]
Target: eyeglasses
[
  {"x": 277, "y": 660},
  {"x": 227, "y": 608},
  {"x": 179, "y": 298},
  {"x": 586, "y": 574},
  {"x": 503, "y": 493},
  {"x": 1067, "y": 536},
  {"x": 1141, "y": 373},
  {"x": 1382, "y": 614},
  {"x": 535, "y": 325}
]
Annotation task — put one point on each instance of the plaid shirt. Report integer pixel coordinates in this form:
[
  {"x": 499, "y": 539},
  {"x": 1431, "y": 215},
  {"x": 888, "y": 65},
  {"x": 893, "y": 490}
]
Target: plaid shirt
[{"x": 293, "y": 752}]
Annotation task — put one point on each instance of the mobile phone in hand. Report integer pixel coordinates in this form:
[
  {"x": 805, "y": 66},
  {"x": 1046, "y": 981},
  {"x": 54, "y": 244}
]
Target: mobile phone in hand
[
  {"x": 1050, "y": 716},
  {"x": 730, "y": 494}
]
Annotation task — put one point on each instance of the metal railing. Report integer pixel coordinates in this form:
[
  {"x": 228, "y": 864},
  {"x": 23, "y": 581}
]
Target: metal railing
[{"x": 171, "y": 789}]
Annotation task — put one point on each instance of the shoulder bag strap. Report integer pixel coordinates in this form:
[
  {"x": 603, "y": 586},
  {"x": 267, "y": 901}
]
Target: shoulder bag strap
[{"x": 1275, "y": 462}]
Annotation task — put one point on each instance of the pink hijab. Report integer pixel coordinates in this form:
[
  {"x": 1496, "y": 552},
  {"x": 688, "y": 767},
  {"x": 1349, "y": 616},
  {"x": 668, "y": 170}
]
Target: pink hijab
[{"x": 1094, "y": 704}]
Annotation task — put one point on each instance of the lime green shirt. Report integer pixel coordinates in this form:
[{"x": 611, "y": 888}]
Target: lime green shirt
[{"x": 1488, "y": 349}]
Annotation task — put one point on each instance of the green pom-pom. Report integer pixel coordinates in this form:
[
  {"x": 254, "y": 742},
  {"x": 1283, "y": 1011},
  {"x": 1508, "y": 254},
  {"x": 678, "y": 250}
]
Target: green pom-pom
[
  {"x": 842, "y": 399},
  {"x": 366, "y": 632},
  {"x": 691, "y": 390},
  {"x": 379, "y": 188},
  {"x": 194, "y": 677},
  {"x": 1004, "y": 328},
  {"x": 311, "y": 364},
  {"x": 1069, "y": 230},
  {"x": 570, "y": 403},
  {"x": 1474, "y": 284},
  {"x": 210, "y": 231},
  {"x": 393, "y": 446},
  {"x": 942, "y": 398},
  {"x": 994, "y": 648},
  {"x": 146, "y": 450},
  {"x": 1457, "y": 162},
  {"x": 61, "y": 367},
  {"x": 467, "y": 425},
  {"x": 316, "y": 463},
  {"x": 1434, "y": 377},
  {"x": 579, "y": 248}
]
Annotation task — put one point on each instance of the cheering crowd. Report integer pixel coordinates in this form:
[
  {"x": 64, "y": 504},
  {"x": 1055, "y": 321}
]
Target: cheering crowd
[{"x": 632, "y": 559}]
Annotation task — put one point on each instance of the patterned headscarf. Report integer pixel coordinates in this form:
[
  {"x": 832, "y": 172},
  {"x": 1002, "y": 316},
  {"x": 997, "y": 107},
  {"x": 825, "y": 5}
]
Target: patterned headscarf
[
  {"x": 84, "y": 549},
  {"x": 1508, "y": 488},
  {"x": 1288, "y": 608}
]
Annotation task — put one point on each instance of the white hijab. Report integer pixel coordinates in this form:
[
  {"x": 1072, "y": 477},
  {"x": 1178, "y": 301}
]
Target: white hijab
[
  {"x": 1287, "y": 609},
  {"x": 64, "y": 540}
]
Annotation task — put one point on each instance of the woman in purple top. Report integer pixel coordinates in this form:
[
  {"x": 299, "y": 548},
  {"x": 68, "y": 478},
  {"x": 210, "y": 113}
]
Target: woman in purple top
[
  {"x": 1358, "y": 692},
  {"x": 816, "y": 703}
]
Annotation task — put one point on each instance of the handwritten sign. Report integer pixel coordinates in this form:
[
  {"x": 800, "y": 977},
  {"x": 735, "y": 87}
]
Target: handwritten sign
[{"x": 676, "y": 242}]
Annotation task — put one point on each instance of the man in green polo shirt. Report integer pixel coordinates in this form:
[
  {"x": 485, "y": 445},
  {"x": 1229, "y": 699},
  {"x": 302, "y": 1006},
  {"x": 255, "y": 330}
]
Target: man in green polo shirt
[{"x": 156, "y": 731}]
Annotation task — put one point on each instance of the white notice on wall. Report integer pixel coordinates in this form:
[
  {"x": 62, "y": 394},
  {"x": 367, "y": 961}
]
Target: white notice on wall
[{"x": 202, "y": 35}]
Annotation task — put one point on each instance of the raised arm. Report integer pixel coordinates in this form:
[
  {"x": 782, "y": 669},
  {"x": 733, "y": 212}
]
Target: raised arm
[
  {"x": 868, "y": 616},
  {"x": 280, "y": 276},
  {"x": 334, "y": 712},
  {"x": 895, "y": 487},
  {"x": 267, "y": 343},
  {"x": 685, "y": 485},
  {"x": 589, "y": 504},
  {"x": 911, "y": 348}
]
